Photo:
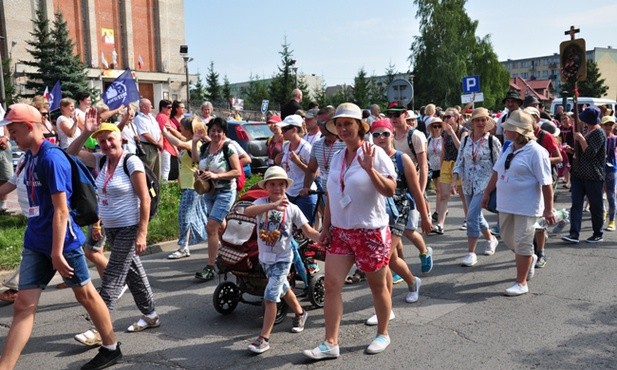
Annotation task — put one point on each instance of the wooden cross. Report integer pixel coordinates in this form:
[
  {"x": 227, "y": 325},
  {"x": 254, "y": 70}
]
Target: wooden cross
[{"x": 572, "y": 31}]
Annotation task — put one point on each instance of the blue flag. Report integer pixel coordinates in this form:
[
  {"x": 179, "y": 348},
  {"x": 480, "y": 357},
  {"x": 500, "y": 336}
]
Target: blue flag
[
  {"x": 123, "y": 90},
  {"x": 54, "y": 97}
]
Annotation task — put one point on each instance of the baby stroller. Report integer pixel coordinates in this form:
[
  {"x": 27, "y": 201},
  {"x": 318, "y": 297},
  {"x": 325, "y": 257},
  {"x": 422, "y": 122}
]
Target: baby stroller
[{"x": 239, "y": 256}]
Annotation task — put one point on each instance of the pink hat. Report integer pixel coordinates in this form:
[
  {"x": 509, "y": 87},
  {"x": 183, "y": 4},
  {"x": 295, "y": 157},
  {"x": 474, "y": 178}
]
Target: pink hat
[
  {"x": 382, "y": 123},
  {"x": 274, "y": 119},
  {"x": 21, "y": 112}
]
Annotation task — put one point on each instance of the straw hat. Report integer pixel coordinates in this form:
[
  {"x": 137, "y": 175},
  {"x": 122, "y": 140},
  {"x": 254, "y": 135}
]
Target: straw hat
[
  {"x": 275, "y": 173},
  {"x": 521, "y": 122},
  {"x": 203, "y": 186},
  {"x": 348, "y": 110},
  {"x": 480, "y": 113}
]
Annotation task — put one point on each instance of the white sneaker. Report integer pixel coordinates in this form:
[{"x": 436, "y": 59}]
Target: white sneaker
[
  {"x": 532, "y": 269},
  {"x": 372, "y": 321},
  {"x": 469, "y": 260},
  {"x": 180, "y": 253},
  {"x": 322, "y": 352},
  {"x": 412, "y": 297},
  {"x": 379, "y": 344},
  {"x": 491, "y": 246},
  {"x": 517, "y": 289}
]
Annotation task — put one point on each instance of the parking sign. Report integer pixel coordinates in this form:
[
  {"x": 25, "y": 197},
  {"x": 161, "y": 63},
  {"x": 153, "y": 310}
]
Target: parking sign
[{"x": 471, "y": 84}]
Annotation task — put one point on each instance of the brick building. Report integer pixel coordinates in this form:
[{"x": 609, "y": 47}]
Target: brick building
[{"x": 109, "y": 36}]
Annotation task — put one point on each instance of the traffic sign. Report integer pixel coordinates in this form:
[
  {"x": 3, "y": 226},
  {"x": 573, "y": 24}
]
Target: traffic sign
[
  {"x": 264, "y": 106},
  {"x": 400, "y": 91},
  {"x": 468, "y": 98},
  {"x": 471, "y": 84}
]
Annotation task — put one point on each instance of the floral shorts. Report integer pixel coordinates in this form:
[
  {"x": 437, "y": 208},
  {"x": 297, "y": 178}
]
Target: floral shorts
[{"x": 370, "y": 247}]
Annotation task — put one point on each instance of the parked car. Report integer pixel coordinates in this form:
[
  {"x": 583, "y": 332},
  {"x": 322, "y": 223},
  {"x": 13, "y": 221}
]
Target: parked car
[
  {"x": 253, "y": 137},
  {"x": 17, "y": 153}
]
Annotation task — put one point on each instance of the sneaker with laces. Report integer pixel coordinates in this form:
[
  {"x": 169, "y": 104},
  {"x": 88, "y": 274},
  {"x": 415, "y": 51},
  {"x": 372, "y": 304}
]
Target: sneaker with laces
[
  {"x": 517, "y": 289},
  {"x": 104, "y": 358},
  {"x": 532, "y": 268},
  {"x": 259, "y": 345},
  {"x": 298, "y": 322},
  {"x": 570, "y": 239},
  {"x": 469, "y": 260},
  {"x": 180, "y": 253},
  {"x": 541, "y": 261},
  {"x": 594, "y": 239},
  {"x": 372, "y": 321},
  {"x": 396, "y": 278},
  {"x": 378, "y": 345},
  {"x": 323, "y": 351},
  {"x": 463, "y": 226},
  {"x": 491, "y": 245},
  {"x": 426, "y": 261},
  {"x": 206, "y": 274},
  {"x": 611, "y": 226},
  {"x": 413, "y": 295}
]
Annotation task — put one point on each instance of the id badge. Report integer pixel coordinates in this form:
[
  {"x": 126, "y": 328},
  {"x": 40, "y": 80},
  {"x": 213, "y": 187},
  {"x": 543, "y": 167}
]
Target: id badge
[
  {"x": 344, "y": 202},
  {"x": 33, "y": 211},
  {"x": 104, "y": 201}
]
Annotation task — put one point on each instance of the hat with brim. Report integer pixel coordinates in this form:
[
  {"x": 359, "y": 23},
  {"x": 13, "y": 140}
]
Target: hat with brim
[
  {"x": 590, "y": 116},
  {"x": 514, "y": 95},
  {"x": 483, "y": 113},
  {"x": 520, "y": 122},
  {"x": 291, "y": 120},
  {"x": 347, "y": 110},
  {"x": 105, "y": 127},
  {"x": 203, "y": 186},
  {"x": 23, "y": 113},
  {"x": 275, "y": 173},
  {"x": 608, "y": 120}
]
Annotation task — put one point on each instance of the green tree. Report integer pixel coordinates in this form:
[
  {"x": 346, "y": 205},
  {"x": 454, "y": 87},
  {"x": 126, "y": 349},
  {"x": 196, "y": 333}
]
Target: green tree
[
  {"x": 198, "y": 92},
  {"x": 441, "y": 56},
  {"x": 342, "y": 95},
  {"x": 226, "y": 91},
  {"x": 593, "y": 86},
  {"x": 320, "y": 95},
  {"x": 255, "y": 93},
  {"x": 9, "y": 88},
  {"x": 41, "y": 49},
  {"x": 284, "y": 81},
  {"x": 360, "y": 89},
  {"x": 213, "y": 88},
  {"x": 306, "y": 94}
]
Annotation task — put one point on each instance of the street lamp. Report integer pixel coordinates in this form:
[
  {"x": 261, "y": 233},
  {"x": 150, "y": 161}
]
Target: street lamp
[
  {"x": 2, "y": 92},
  {"x": 184, "y": 52}
]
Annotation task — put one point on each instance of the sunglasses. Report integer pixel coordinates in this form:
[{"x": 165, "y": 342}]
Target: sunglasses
[
  {"x": 509, "y": 159},
  {"x": 393, "y": 114},
  {"x": 287, "y": 128},
  {"x": 436, "y": 126},
  {"x": 44, "y": 113},
  {"x": 377, "y": 135},
  {"x": 447, "y": 117}
]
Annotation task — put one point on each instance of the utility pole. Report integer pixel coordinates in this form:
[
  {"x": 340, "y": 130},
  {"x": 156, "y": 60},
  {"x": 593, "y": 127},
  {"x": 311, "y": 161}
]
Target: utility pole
[{"x": 2, "y": 92}]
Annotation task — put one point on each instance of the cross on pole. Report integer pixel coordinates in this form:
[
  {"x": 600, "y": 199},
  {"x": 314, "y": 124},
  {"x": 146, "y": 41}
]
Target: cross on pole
[{"x": 572, "y": 31}]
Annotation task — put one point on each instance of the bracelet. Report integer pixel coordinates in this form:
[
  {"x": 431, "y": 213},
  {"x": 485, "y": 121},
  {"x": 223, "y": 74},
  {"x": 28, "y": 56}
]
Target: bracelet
[{"x": 96, "y": 227}]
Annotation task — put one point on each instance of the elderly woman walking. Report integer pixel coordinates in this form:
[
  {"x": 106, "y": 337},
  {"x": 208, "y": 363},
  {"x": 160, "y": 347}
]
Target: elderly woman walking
[
  {"x": 476, "y": 157},
  {"x": 524, "y": 168},
  {"x": 355, "y": 227}
]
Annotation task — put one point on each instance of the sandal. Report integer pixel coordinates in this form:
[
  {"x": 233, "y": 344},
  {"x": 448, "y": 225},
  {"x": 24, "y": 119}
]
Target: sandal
[
  {"x": 90, "y": 338},
  {"x": 149, "y": 323},
  {"x": 357, "y": 277},
  {"x": 8, "y": 295}
]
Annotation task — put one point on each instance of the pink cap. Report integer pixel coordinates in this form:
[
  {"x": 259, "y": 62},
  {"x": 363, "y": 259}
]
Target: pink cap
[{"x": 382, "y": 123}]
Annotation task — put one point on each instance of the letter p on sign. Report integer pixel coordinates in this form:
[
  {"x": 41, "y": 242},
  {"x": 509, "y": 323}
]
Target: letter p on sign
[{"x": 471, "y": 84}]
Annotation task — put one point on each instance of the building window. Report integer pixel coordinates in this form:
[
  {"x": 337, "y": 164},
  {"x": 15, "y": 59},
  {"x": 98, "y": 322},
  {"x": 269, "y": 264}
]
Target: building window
[
  {"x": 524, "y": 75},
  {"x": 514, "y": 75},
  {"x": 544, "y": 73}
]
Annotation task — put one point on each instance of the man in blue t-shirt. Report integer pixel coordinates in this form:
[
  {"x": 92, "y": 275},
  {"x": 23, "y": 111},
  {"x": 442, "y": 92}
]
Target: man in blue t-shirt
[{"x": 52, "y": 241}]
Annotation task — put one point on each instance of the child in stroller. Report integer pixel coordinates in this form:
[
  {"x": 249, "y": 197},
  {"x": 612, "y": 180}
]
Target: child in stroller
[{"x": 275, "y": 219}]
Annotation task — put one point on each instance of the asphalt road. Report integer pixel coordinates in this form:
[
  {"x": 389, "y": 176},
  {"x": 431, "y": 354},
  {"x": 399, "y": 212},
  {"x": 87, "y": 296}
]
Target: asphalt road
[{"x": 461, "y": 321}]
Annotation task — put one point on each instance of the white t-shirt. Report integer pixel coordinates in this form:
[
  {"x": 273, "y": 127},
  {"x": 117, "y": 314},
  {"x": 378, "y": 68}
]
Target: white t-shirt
[
  {"x": 419, "y": 144},
  {"x": 64, "y": 139},
  {"x": 519, "y": 189},
  {"x": 280, "y": 250},
  {"x": 118, "y": 202},
  {"x": 312, "y": 139},
  {"x": 293, "y": 171},
  {"x": 147, "y": 124},
  {"x": 359, "y": 205},
  {"x": 435, "y": 146}
]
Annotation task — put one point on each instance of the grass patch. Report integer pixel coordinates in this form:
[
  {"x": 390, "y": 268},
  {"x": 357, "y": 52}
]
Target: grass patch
[{"x": 163, "y": 227}]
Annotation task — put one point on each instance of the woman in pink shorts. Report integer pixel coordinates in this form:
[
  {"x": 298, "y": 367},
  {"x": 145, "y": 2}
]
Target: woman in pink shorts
[{"x": 355, "y": 228}]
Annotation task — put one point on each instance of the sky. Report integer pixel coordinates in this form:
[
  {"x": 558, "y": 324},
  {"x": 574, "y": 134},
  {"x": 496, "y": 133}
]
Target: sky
[{"x": 334, "y": 39}]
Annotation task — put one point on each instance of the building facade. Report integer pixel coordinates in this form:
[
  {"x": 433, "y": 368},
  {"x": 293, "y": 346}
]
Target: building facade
[
  {"x": 547, "y": 67},
  {"x": 109, "y": 36}
]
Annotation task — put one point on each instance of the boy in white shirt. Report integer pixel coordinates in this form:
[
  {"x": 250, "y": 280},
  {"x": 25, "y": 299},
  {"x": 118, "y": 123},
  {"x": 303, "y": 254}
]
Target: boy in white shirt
[{"x": 276, "y": 217}]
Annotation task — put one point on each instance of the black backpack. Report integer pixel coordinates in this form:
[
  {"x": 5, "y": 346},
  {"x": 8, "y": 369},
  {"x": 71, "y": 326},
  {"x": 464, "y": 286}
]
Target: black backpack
[
  {"x": 83, "y": 201},
  {"x": 152, "y": 182}
]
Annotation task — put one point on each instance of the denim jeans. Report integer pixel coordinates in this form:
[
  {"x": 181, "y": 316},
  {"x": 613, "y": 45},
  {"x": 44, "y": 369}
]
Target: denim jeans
[
  {"x": 593, "y": 190},
  {"x": 476, "y": 223},
  {"x": 611, "y": 187}
]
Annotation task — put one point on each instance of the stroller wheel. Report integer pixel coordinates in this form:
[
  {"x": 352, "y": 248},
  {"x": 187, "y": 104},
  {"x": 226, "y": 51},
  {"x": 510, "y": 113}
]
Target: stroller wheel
[
  {"x": 281, "y": 311},
  {"x": 226, "y": 297},
  {"x": 317, "y": 291}
]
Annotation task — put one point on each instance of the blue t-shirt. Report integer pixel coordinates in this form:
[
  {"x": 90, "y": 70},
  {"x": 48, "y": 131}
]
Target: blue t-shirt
[{"x": 54, "y": 177}]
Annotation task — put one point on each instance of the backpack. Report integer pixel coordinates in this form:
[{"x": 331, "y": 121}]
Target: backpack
[
  {"x": 84, "y": 203},
  {"x": 242, "y": 178},
  {"x": 410, "y": 142},
  {"x": 152, "y": 182}
]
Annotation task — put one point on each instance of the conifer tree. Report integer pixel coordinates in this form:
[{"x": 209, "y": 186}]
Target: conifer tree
[
  {"x": 226, "y": 91},
  {"x": 213, "y": 87}
]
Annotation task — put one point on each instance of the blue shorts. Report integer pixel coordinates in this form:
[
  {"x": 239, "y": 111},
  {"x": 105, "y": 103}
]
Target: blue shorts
[
  {"x": 219, "y": 203},
  {"x": 277, "y": 280},
  {"x": 36, "y": 269}
]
